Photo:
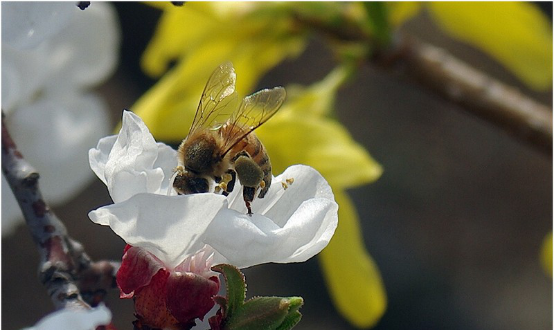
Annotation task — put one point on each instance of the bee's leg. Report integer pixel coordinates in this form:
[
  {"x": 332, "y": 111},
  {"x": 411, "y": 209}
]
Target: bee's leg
[
  {"x": 219, "y": 185},
  {"x": 179, "y": 168},
  {"x": 231, "y": 182},
  {"x": 242, "y": 153},
  {"x": 266, "y": 183},
  {"x": 248, "y": 194},
  {"x": 225, "y": 183},
  {"x": 250, "y": 174}
]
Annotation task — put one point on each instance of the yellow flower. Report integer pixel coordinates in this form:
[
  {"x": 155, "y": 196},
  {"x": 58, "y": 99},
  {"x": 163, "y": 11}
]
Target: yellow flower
[
  {"x": 201, "y": 36},
  {"x": 546, "y": 254},
  {"x": 256, "y": 37},
  {"x": 210, "y": 32},
  {"x": 517, "y": 34}
]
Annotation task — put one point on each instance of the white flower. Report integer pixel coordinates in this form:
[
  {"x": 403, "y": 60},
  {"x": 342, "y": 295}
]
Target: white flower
[
  {"x": 289, "y": 225},
  {"x": 75, "y": 319},
  {"x": 52, "y": 53}
]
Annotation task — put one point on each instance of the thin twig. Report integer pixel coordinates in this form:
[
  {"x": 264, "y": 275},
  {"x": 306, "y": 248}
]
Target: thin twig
[
  {"x": 64, "y": 268},
  {"x": 450, "y": 78},
  {"x": 476, "y": 92}
]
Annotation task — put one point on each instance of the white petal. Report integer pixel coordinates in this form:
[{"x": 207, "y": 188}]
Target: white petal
[
  {"x": 23, "y": 74},
  {"x": 125, "y": 185},
  {"x": 75, "y": 319},
  {"x": 245, "y": 241},
  {"x": 86, "y": 51},
  {"x": 170, "y": 227},
  {"x": 54, "y": 133},
  {"x": 131, "y": 165},
  {"x": 294, "y": 224},
  {"x": 98, "y": 157},
  {"x": 167, "y": 161},
  {"x": 279, "y": 203},
  {"x": 27, "y": 24}
]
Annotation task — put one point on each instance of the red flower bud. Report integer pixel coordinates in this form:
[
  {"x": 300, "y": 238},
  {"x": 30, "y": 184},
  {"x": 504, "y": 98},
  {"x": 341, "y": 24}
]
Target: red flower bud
[{"x": 165, "y": 298}]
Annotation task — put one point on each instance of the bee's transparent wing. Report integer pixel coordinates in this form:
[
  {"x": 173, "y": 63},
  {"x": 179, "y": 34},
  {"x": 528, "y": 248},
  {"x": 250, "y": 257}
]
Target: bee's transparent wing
[
  {"x": 219, "y": 99},
  {"x": 253, "y": 111}
]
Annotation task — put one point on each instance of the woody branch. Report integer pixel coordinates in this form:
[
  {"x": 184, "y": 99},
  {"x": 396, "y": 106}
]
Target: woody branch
[
  {"x": 71, "y": 278},
  {"x": 476, "y": 92},
  {"x": 450, "y": 78}
]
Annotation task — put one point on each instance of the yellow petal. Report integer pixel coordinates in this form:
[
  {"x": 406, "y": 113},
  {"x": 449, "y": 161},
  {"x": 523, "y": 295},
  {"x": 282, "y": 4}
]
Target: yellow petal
[
  {"x": 201, "y": 38},
  {"x": 319, "y": 98},
  {"x": 516, "y": 34},
  {"x": 546, "y": 254},
  {"x": 317, "y": 139},
  {"x": 293, "y": 137},
  {"x": 169, "y": 106},
  {"x": 183, "y": 30},
  {"x": 159, "y": 4},
  {"x": 401, "y": 11},
  {"x": 170, "y": 38},
  {"x": 353, "y": 278}
]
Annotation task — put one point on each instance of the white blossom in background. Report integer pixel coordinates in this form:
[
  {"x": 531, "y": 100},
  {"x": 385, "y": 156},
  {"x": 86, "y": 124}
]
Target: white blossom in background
[
  {"x": 288, "y": 225},
  {"x": 75, "y": 319},
  {"x": 53, "y": 54}
]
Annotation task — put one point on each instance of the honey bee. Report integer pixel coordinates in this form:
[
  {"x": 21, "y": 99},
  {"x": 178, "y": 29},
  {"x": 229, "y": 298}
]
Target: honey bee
[{"x": 221, "y": 145}]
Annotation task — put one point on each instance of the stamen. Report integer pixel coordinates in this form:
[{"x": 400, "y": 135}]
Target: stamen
[{"x": 171, "y": 181}]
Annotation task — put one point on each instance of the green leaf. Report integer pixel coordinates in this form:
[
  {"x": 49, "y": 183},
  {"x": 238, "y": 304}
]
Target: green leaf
[{"x": 379, "y": 22}]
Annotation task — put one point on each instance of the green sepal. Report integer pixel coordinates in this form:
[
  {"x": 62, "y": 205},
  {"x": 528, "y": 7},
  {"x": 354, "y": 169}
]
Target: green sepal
[
  {"x": 266, "y": 313},
  {"x": 293, "y": 316},
  {"x": 258, "y": 313},
  {"x": 235, "y": 286}
]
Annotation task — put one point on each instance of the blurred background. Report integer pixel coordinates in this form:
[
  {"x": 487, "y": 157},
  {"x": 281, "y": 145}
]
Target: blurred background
[{"x": 455, "y": 223}]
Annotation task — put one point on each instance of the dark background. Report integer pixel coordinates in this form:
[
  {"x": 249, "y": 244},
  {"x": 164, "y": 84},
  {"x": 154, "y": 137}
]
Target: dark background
[{"x": 455, "y": 223}]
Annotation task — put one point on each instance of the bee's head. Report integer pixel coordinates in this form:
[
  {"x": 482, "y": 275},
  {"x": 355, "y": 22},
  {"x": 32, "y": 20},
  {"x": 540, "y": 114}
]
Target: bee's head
[{"x": 188, "y": 183}]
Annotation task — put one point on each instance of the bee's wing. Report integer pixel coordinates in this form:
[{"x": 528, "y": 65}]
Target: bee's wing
[
  {"x": 219, "y": 99},
  {"x": 253, "y": 111}
]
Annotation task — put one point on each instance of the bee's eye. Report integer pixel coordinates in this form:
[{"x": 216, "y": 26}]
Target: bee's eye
[
  {"x": 198, "y": 185},
  {"x": 190, "y": 184}
]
